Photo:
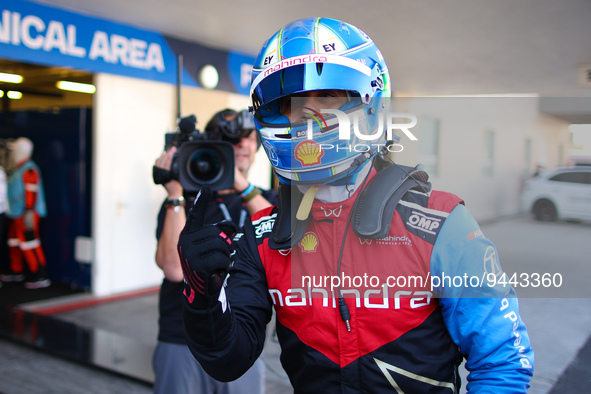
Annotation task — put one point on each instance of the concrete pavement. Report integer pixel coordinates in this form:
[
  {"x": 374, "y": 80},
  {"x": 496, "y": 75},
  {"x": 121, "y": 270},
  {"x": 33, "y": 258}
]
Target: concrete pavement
[{"x": 558, "y": 319}]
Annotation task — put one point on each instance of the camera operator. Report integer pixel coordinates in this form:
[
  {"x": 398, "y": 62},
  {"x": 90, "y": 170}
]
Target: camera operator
[{"x": 176, "y": 371}]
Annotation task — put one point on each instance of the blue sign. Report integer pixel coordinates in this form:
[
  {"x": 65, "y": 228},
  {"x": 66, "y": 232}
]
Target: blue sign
[{"x": 44, "y": 35}]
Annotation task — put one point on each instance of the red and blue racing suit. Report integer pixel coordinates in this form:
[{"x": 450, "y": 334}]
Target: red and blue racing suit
[{"x": 402, "y": 338}]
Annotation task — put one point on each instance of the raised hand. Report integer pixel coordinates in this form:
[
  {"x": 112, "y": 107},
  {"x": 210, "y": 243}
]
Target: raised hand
[{"x": 204, "y": 251}]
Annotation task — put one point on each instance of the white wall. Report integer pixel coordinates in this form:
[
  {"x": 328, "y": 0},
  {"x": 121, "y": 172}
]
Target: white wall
[
  {"x": 130, "y": 119},
  {"x": 463, "y": 122}
]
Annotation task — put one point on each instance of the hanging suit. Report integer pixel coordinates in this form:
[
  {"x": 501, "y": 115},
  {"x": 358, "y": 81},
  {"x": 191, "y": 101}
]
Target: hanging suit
[{"x": 26, "y": 206}]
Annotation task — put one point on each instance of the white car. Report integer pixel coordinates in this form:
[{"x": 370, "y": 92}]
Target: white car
[{"x": 561, "y": 193}]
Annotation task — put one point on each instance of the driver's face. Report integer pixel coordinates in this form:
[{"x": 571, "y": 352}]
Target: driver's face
[{"x": 306, "y": 104}]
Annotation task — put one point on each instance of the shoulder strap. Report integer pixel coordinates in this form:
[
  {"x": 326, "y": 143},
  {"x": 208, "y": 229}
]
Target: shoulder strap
[
  {"x": 376, "y": 203},
  {"x": 287, "y": 230},
  {"x": 373, "y": 209}
]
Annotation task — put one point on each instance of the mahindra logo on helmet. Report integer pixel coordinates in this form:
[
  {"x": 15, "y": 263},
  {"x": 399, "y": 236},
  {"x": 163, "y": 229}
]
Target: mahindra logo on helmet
[
  {"x": 294, "y": 61},
  {"x": 306, "y": 59}
]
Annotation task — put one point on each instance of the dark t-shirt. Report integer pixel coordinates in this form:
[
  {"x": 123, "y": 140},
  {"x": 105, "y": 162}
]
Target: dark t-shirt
[{"x": 171, "y": 298}]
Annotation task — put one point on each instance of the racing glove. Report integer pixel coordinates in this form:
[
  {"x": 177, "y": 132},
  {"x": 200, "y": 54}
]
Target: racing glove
[{"x": 205, "y": 251}]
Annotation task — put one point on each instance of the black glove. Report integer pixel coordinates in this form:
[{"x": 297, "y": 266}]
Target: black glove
[{"x": 205, "y": 254}]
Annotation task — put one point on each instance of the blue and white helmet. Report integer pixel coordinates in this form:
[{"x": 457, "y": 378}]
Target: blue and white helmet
[{"x": 319, "y": 54}]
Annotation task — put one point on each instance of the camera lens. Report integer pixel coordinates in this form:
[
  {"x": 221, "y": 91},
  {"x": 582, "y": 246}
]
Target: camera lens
[
  {"x": 205, "y": 166},
  {"x": 208, "y": 163}
]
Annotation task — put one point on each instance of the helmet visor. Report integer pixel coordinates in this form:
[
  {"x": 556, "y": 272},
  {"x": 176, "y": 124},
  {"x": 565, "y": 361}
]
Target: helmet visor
[{"x": 266, "y": 90}]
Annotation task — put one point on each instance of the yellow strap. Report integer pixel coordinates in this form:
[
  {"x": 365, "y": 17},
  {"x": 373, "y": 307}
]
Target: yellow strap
[{"x": 306, "y": 204}]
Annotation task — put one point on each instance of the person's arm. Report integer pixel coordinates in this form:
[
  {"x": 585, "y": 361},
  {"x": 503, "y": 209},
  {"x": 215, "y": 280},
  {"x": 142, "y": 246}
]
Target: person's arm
[
  {"x": 482, "y": 320},
  {"x": 32, "y": 184},
  {"x": 31, "y": 181},
  {"x": 224, "y": 315},
  {"x": 253, "y": 203},
  {"x": 167, "y": 257},
  {"x": 3, "y": 191}
]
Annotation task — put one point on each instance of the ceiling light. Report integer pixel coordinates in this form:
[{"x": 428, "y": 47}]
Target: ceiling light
[
  {"x": 1, "y": 93},
  {"x": 14, "y": 95},
  {"x": 76, "y": 87},
  {"x": 11, "y": 78},
  {"x": 209, "y": 77}
]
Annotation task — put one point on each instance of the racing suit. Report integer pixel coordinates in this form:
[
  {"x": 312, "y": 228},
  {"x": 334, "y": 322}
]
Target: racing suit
[
  {"x": 405, "y": 339},
  {"x": 26, "y": 197},
  {"x": 3, "y": 221}
]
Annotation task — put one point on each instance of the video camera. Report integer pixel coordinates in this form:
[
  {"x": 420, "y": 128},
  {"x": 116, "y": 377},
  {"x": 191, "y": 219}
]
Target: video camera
[
  {"x": 207, "y": 158},
  {"x": 201, "y": 159}
]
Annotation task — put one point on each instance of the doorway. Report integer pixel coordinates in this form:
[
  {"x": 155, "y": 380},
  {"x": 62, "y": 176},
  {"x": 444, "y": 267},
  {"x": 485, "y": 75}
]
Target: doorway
[{"x": 59, "y": 123}]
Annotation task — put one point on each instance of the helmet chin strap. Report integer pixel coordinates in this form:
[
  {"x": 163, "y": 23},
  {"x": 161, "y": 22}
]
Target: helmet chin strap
[
  {"x": 306, "y": 203},
  {"x": 329, "y": 193},
  {"x": 334, "y": 191}
]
